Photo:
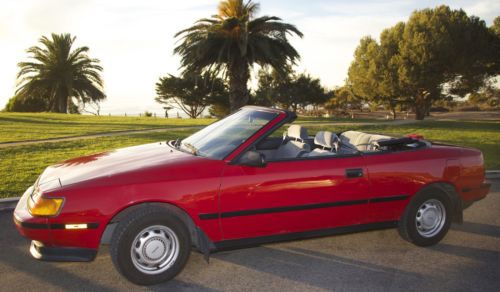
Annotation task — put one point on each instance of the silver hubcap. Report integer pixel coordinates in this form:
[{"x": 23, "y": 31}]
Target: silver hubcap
[
  {"x": 430, "y": 219},
  {"x": 154, "y": 249}
]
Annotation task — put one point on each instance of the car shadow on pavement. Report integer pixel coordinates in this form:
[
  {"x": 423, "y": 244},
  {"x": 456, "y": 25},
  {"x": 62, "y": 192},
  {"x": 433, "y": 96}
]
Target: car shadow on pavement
[
  {"x": 19, "y": 271},
  {"x": 478, "y": 228},
  {"x": 318, "y": 269},
  {"x": 488, "y": 257},
  {"x": 19, "y": 261},
  {"x": 176, "y": 285}
]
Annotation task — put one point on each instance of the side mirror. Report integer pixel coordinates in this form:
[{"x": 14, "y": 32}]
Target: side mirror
[{"x": 252, "y": 158}]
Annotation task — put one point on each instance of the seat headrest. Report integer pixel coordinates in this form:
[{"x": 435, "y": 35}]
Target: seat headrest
[
  {"x": 326, "y": 139},
  {"x": 297, "y": 132}
]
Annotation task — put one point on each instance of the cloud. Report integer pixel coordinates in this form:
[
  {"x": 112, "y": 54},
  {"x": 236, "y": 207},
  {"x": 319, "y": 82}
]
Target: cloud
[
  {"x": 329, "y": 43},
  {"x": 487, "y": 10}
]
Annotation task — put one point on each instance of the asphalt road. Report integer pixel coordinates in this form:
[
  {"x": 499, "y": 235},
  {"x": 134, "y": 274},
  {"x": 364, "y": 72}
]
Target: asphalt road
[{"x": 467, "y": 259}]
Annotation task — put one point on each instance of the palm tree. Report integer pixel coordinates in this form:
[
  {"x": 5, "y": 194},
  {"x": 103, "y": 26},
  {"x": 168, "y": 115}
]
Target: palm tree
[
  {"x": 58, "y": 74},
  {"x": 233, "y": 41}
]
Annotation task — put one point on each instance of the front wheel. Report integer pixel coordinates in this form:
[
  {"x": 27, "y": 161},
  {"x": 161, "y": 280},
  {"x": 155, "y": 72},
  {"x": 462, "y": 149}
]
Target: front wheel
[
  {"x": 150, "y": 246},
  {"x": 427, "y": 218}
]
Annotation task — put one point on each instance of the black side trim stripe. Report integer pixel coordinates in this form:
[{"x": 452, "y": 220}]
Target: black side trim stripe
[
  {"x": 33, "y": 225},
  {"x": 61, "y": 226},
  {"x": 291, "y": 208},
  {"x": 209, "y": 216},
  {"x": 389, "y": 199},
  {"x": 248, "y": 242}
]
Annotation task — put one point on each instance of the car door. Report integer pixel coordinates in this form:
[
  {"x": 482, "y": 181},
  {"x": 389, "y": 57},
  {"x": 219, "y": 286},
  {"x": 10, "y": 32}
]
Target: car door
[
  {"x": 292, "y": 196},
  {"x": 394, "y": 177}
]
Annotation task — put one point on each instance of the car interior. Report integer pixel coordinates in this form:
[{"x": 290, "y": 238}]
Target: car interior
[{"x": 297, "y": 144}]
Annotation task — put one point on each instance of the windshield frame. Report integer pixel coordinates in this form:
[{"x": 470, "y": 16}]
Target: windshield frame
[{"x": 190, "y": 149}]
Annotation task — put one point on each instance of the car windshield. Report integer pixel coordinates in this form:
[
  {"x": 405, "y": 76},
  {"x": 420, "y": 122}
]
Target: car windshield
[{"x": 219, "y": 139}]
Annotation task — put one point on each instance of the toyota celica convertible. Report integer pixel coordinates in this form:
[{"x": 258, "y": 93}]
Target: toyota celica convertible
[{"x": 239, "y": 182}]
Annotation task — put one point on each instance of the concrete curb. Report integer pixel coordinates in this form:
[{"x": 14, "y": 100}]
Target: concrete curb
[
  {"x": 493, "y": 174},
  {"x": 8, "y": 203}
]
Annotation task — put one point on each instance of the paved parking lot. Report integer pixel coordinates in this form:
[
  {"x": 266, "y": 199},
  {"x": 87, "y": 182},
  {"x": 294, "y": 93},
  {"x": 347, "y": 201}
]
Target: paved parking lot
[{"x": 467, "y": 259}]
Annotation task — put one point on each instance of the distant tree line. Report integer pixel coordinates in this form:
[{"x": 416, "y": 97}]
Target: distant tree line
[
  {"x": 437, "y": 55},
  {"x": 192, "y": 94},
  {"x": 431, "y": 59}
]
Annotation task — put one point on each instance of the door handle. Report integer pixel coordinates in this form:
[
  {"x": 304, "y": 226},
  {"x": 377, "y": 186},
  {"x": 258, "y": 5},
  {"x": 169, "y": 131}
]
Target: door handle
[{"x": 354, "y": 172}]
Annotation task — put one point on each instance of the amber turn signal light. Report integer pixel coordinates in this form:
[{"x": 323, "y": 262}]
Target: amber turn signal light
[{"x": 41, "y": 206}]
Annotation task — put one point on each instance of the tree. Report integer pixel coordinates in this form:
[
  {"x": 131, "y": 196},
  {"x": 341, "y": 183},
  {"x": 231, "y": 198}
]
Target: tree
[
  {"x": 92, "y": 107},
  {"x": 35, "y": 104},
  {"x": 301, "y": 91},
  {"x": 373, "y": 75},
  {"x": 436, "y": 53},
  {"x": 364, "y": 75},
  {"x": 292, "y": 91},
  {"x": 265, "y": 95},
  {"x": 219, "y": 107},
  {"x": 490, "y": 97},
  {"x": 443, "y": 46},
  {"x": 233, "y": 41},
  {"x": 389, "y": 89},
  {"x": 17, "y": 104},
  {"x": 496, "y": 25},
  {"x": 343, "y": 99},
  {"x": 58, "y": 74},
  {"x": 190, "y": 93}
]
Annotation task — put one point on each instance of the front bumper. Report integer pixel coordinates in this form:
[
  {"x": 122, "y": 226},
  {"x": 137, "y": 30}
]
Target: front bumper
[
  {"x": 51, "y": 240},
  {"x": 61, "y": 254}
]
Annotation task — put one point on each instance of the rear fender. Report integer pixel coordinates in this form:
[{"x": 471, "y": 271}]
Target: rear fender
[{"x": 451, "y": 191}]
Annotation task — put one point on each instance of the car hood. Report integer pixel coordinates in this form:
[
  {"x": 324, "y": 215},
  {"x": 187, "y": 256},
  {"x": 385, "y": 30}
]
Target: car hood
[{"x": 109, "y": 163}]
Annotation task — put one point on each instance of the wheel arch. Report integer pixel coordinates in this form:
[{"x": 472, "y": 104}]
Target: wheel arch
[{"x": 198, "y": 238}]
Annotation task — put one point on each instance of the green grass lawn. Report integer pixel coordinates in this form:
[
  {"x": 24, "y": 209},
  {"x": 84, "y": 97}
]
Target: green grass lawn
[
  {"x": 35, "y": 126},
  {"x": 21, "y": 165}
]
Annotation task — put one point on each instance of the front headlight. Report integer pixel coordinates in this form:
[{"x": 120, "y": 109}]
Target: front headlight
[{"x": 40, "y": 206}]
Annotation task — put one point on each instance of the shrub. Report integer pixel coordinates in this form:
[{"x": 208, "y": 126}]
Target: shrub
[
  {"x": 472, "y": 108},
  {"x": 439, "y": 109}
]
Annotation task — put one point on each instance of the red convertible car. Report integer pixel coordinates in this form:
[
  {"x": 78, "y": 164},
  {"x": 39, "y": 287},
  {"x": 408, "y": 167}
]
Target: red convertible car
[{"x": 235, "y": 183}]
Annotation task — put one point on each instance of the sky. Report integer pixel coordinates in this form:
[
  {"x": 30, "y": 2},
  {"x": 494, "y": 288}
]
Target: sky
[{"x": 134, "y": 39}]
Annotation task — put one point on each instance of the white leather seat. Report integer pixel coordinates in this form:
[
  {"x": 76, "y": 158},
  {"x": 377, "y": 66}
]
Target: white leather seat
[
  {"x": 359, "y": 140},
  {"x": 294, "y": 145},
  {"x": 327, "y": 143}
]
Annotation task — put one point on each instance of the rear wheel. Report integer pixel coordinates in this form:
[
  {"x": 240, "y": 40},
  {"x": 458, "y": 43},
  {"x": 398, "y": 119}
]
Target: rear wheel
[
  {"x": 150, "y": 246},
  {"x": 427, "y": 218}
]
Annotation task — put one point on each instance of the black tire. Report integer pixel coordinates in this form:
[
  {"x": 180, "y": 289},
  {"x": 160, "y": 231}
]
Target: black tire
[
  {"x": 408, "y": 223},
  {"x": 125, "y": 235}
]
